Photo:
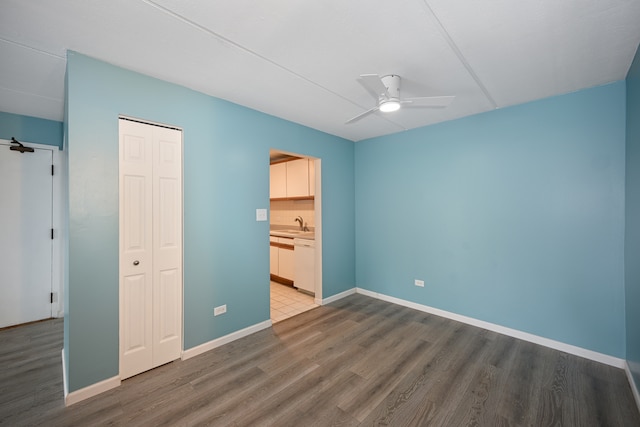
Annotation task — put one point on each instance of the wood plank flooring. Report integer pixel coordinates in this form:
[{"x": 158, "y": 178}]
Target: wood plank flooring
[{"x": 358, "y": 361}]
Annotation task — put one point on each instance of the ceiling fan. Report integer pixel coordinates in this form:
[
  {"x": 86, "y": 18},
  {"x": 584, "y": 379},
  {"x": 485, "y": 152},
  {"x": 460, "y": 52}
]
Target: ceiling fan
[{"x": 386, "y": 90}]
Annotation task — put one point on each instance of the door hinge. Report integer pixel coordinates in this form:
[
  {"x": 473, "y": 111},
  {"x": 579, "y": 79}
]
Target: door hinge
[
  {"x": 51, "y": 170},
  {"x": 52, "y": 234},
  {"x": 51, "y": 297}
]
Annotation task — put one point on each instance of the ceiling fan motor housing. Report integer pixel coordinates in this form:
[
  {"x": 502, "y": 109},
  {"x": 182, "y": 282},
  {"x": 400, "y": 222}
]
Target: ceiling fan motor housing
[{"x": 392, "y": 83}]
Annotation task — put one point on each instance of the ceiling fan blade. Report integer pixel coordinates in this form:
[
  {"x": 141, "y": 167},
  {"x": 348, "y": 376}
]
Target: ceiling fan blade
[
  {"x": 428, "y": 101},
  {"x": 373, "y": 83},
  {"x": 359, "y": 116}
]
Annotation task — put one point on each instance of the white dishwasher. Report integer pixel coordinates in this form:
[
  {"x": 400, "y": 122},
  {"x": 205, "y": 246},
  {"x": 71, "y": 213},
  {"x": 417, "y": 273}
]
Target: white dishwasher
[{"x": 304, "y": 264}]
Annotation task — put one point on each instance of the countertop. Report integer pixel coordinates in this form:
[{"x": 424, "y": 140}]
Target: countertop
[{"x": 291, "y": 233}]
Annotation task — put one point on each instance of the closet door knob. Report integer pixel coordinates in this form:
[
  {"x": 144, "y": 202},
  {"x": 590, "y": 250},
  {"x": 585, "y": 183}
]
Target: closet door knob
[{"x": 136, "y": 262}]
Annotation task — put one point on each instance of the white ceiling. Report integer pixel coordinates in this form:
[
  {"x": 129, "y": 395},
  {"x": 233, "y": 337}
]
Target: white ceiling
[{"x": 300, "y": 60}]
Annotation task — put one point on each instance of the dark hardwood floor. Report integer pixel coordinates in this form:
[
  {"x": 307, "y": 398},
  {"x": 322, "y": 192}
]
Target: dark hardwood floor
[{"x": 358, "y": 361}]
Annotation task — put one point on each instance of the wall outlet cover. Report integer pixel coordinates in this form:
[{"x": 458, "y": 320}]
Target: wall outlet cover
[
  {"x": 220, "y": 310},
  {"x": 419, "y": 283}
]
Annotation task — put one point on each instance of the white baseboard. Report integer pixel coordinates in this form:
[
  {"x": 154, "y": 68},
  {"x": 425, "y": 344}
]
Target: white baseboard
[
  {"x": 64, "y": 377},
  {"x": 336, "y": 297},
  {"x": 92, "y": 390},
  {"x": 632, "y": 383},
  {"x": 557, "y": 345},
  {"x": 202, "y": 348},
  {"x": 109, "y": 383}
]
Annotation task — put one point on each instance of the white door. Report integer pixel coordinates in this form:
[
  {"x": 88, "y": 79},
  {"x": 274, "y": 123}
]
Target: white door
[
  {"x": 150, "y": 246},
  {"x": 26, "y": 197}
]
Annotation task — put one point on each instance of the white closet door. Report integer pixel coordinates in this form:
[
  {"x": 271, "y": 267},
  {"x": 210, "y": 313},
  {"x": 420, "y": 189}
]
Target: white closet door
[
  {"x": 167, "y": 245},
  {"x": 150, "y": 246},
  {"x": 26, "y": 197},
  {"x": 136, "y": 251}
]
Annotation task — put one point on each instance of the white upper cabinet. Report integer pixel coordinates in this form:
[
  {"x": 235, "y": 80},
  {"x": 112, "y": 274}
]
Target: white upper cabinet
[
  {"x": 312, "y": 177},
  {"x": 278, "y": 180},
  {"x": 297, "y": 178}
]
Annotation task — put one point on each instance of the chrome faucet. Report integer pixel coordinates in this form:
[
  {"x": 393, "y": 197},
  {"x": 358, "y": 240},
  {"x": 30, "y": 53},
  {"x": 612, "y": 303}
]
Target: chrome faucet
[{"x": 301, "y": 221}]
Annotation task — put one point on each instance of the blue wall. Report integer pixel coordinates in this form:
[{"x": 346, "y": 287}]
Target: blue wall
[
  {"x": 30, "y": 129},
  {"x": 632, "y": 229},
  {"x": 226, "y": 177},
  {"x": 514, "y": 217}
]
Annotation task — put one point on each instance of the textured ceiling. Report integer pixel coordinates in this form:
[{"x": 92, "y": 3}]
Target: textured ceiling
[{"x": 301, "y": 60}]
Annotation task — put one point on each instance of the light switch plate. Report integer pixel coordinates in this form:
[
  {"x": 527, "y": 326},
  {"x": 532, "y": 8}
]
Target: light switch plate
[{"x": 261, "y": 214}]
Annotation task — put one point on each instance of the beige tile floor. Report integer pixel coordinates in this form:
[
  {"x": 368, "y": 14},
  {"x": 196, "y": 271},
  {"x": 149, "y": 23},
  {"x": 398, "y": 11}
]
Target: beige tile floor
[{"x": 287, "y": 302}]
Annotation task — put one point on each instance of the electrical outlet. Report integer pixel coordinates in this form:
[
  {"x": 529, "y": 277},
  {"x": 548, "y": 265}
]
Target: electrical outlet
[
  {"x": 217, "y": 311},
  {"x": 419, "y": 283}
]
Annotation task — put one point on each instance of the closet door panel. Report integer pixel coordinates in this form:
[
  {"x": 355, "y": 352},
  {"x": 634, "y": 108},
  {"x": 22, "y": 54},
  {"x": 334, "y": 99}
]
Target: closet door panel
[
  {"x": 136, "y": 274},
  {"x": 167, "y": 249}
]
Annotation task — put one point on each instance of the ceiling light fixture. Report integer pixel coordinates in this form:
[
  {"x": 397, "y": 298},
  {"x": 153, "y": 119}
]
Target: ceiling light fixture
[{"x": 389, "y": 106}]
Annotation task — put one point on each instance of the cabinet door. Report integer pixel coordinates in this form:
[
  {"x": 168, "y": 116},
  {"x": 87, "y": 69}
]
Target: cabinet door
[
  {"x": 273, "y": 260},
  {"x": 312, "y": 177},
  {"x": 297, "y": 178},
  {"x": 285, "y": 263},
  {"x": 278, "y": 180}
]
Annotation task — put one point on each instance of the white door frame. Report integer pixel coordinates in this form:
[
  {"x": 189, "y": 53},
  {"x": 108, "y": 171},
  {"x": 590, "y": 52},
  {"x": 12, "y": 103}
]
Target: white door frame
[
  {"x": 59, "y": 214},
  {"x": 318, "y": 230},
  {"x": 317, "y": 213}
]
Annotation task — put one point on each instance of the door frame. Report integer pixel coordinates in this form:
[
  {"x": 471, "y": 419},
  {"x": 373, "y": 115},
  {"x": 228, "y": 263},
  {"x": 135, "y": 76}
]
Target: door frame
[
  {"x": 318, "y": 230},
  {"x": 317, "y": 212},
  {"x": 58, "y": 221}
]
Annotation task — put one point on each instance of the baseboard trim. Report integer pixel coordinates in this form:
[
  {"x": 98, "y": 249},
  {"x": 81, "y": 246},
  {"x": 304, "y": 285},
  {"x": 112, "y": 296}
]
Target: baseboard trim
[
  {"x": 202, "y": 348},
  {"x": 632, "y": 382},
  {"x": 109, "y": 383},
  {"x": 92, "y": 390},
  {"x": 64, "y": 377},
  {"x": 557, "y": 345},
  {"x": 336, "y": 297}
]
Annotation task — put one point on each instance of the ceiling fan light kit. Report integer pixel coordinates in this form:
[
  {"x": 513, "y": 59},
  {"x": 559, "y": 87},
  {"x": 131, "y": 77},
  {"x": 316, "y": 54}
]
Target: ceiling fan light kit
[
  {"x": 386, "y": 90},
  {"x": 389, "y": 106}
]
